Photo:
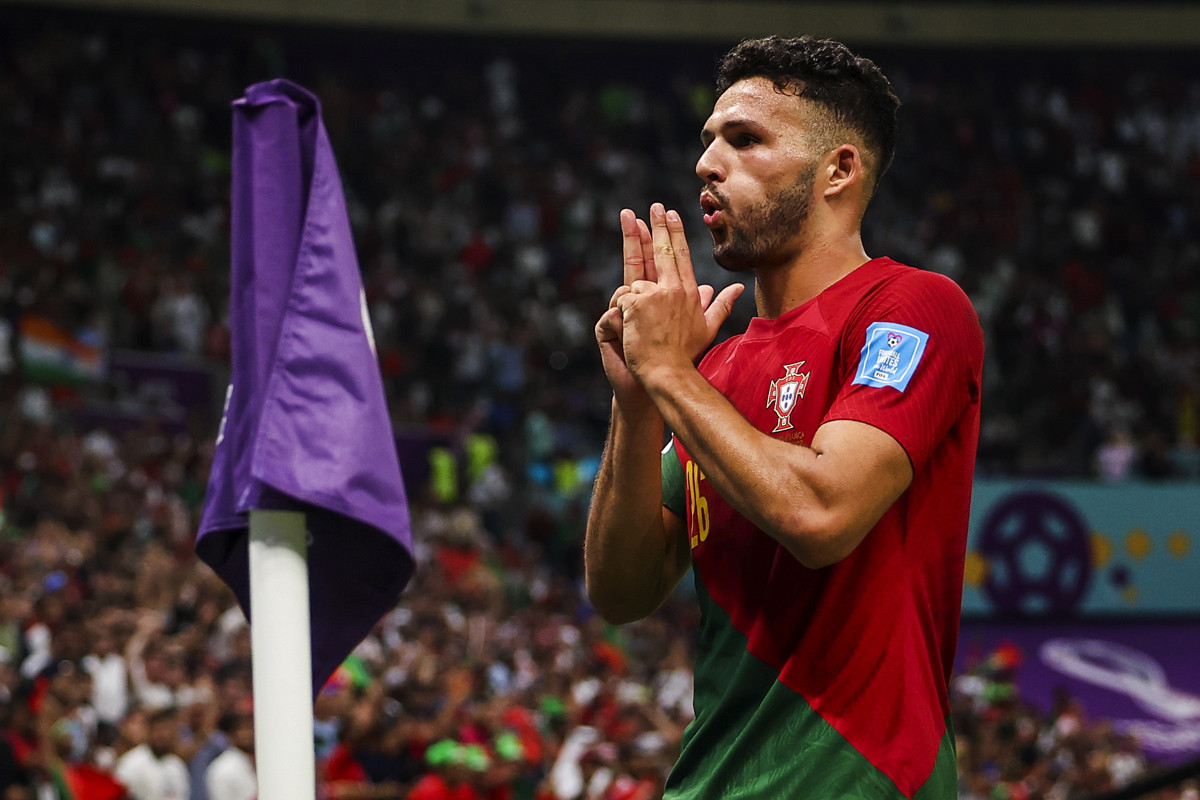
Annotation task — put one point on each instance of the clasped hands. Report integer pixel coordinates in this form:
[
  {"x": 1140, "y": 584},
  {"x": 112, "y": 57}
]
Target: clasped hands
[{"x": 659, "y": 320}]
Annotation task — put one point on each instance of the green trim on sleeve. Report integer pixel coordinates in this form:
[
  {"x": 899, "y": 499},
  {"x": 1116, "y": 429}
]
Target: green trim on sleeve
[{"x": 672, "y": 481}]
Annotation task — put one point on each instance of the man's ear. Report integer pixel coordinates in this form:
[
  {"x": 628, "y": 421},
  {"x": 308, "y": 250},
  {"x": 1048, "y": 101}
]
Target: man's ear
[{"x": 844, "y": 171}]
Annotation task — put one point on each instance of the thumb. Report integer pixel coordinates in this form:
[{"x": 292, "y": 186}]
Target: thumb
[
  {"x": 722, "y": 306},
  {"x": 610, "y": 327}
]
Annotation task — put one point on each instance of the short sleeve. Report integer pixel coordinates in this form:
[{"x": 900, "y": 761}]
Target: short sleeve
[
  {"x": 910, "y": 361},
  {"x": 672, "y": 481}
]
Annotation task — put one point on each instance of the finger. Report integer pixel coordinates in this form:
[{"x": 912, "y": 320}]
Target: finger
[
  {"x": 612, "y": 303},
  {"x": 683, "y": 255},
  {"x": 647, "y": 250},
  {"x": 706, "y": 295},
  {"x": 631, "y": 246},
  {"x": 722, "y": 306},
  {"x": 643, "y": 287},
  {"x": 610, "y": 327},
  {"x": 664, "y": 250}
]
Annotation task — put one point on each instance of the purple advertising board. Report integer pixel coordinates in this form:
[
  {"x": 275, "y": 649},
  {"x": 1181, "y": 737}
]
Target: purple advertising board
[{"x": 1144, "y": 677}]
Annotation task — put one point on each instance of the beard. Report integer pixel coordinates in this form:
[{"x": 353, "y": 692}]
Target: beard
[{"x": 761, "y": 230}]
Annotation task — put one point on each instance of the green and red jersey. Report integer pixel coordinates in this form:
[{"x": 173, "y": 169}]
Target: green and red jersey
[{"x": 832, "y": 683}]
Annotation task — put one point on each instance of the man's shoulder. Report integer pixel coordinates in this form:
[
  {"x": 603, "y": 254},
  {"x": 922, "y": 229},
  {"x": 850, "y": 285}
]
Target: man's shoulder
[
  {"x": 230, "y": 760},
  {"x": 891, "y": 291},
  {"x": 139, "y": 753},
  {"x": 893, "y": 277},
  {"x": 429, "y": 787},
  {"x": 135, "y": 761},
  {"x": 110, "y": 663}
]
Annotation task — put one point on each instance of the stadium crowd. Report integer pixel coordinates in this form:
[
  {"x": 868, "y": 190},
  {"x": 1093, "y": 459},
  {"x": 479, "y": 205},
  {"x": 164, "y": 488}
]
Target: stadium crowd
[{"x": 484, "y": 182}]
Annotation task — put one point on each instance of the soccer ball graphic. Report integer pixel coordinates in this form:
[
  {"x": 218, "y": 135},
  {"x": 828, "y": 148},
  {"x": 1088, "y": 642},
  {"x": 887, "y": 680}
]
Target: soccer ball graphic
[
  {"x": 1038, "y": 555},
  {"x": 894, "y": 339}
]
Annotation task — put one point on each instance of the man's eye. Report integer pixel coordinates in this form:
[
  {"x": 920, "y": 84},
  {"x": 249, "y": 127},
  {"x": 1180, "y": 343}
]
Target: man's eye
[{"x": 744, "y": 140}]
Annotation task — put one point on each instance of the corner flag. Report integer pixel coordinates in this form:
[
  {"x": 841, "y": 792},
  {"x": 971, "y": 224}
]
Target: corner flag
[{"x": 306, "y": 426}]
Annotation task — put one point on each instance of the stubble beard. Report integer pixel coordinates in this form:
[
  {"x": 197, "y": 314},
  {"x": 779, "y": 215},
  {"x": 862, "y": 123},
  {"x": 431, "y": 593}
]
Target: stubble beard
[{"x": 761, "y": 231}]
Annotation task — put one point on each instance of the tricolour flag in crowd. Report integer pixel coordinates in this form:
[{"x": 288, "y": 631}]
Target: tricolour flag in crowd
[
  {"x": 48, "y": 352},
  {"x": 306, "y": 425}
]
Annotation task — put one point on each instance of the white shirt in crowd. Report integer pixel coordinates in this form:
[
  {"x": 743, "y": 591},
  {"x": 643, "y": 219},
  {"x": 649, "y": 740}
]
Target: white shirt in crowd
[
  {"x": 231, "y": 777},
  {"x": 150, "y": 778},
  {"x": 152, "y": 696},
  {"x": 110, "y": 686}
]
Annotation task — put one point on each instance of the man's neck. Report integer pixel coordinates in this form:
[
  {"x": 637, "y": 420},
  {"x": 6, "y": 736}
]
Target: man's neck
[{"x": 820, "y": 265}]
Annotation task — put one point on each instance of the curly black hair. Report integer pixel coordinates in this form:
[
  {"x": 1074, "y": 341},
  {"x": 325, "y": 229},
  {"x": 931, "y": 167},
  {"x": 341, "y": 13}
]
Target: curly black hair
[{"x": 851, "y": 88}]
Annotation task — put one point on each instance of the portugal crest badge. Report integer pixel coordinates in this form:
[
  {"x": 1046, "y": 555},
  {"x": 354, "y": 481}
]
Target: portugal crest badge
[{"x": 785, "y": 392}]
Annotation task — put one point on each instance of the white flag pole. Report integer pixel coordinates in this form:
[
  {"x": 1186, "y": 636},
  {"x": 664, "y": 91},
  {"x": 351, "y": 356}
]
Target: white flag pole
[{"x": 281, "y": 654}]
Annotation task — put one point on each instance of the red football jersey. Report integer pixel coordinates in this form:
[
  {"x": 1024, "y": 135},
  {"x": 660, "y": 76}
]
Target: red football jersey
[{"x": 867, "y": 643}]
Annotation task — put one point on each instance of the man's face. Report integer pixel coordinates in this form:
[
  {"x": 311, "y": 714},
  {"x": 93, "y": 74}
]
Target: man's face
[
  {"x": 759, "y": 166},
  {"x": 243, "y": 734},
  {"x": 162, "y": 736},
  {"x": 134, "y": 728},
  {"x": 102, "y": 643}
]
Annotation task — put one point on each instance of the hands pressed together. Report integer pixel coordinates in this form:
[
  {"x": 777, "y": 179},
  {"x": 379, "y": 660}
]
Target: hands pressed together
[{"x": 660, "y": 320}]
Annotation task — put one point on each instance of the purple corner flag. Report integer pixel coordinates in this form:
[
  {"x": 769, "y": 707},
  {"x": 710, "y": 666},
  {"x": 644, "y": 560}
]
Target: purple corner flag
[{"x": 306, "y": 426}]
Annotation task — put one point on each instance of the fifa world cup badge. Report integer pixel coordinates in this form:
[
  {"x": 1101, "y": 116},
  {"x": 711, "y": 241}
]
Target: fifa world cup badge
[
  {"x": 785, "y": 392},
  {"x": 890, "y": 355}
]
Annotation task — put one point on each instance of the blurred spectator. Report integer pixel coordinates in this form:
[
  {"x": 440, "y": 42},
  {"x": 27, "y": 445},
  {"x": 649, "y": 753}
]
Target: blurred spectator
[
  {"x": 1116, "y": 457},
  {"x": 152, "y": 770},
  {"x": 455, "y": 772},
  {"x": 231, "y": 775},
  {"x": 110, "y": 678}
]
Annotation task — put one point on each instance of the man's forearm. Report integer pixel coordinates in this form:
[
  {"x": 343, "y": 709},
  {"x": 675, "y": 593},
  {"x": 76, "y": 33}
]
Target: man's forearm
[
  {"x": 626, "y": 549},
  {"x": 803, "y": 497},
  {"x": 817, "y": 501},
  {"x": 755, "y": 473}
]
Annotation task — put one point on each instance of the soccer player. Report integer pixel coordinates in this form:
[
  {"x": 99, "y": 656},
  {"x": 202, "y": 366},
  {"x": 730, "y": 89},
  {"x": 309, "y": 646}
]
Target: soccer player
[{"x": 819, "y": 474}]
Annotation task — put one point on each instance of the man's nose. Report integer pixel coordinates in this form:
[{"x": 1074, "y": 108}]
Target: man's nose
[{"x": 708, "y": 167}]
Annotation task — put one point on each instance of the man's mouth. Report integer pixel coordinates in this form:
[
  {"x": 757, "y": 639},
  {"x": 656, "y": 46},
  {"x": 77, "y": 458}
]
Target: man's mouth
[{"x": 712, "y": 208}]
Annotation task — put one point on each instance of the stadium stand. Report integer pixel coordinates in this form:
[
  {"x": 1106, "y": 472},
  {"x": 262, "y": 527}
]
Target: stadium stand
[{"x": 484, "y": 178}]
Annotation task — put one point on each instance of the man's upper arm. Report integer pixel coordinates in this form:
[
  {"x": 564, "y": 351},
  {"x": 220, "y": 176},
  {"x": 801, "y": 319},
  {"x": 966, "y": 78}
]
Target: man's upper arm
[
  {"x": 911, "y": 365},
  {"x": 912, "y": 359},
  {"x": 863, "y": 471}
]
